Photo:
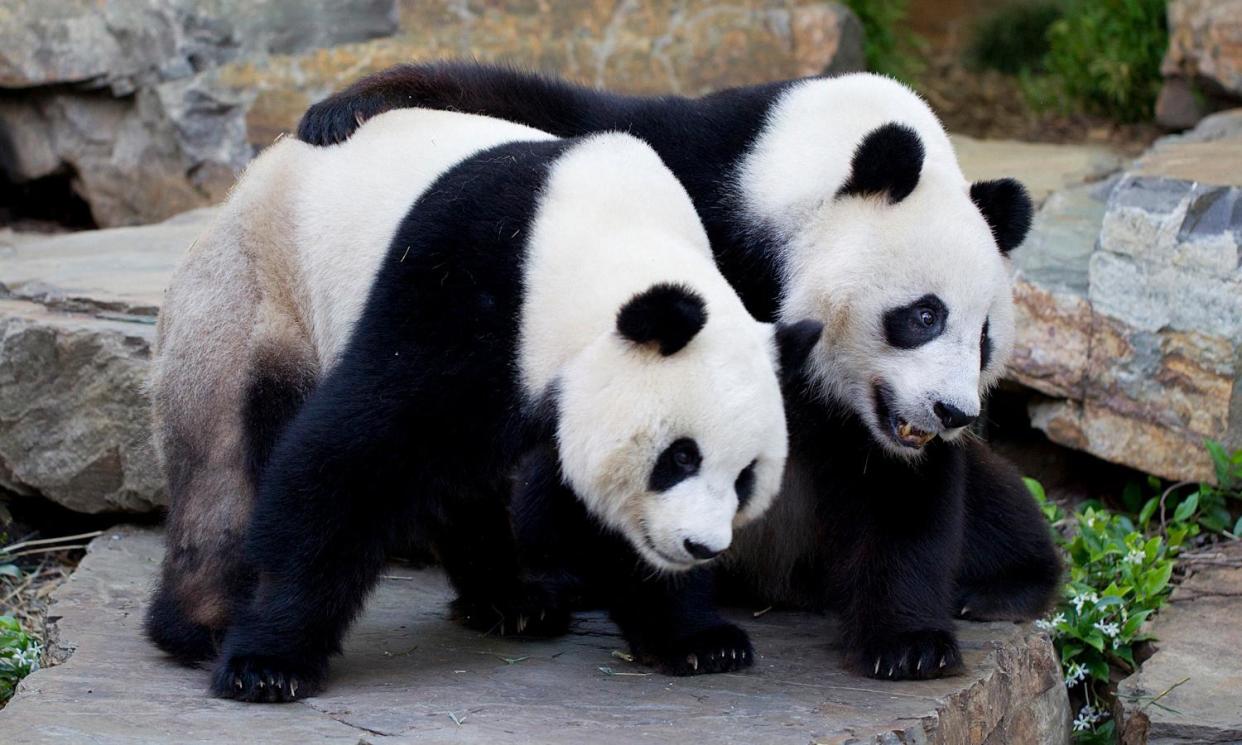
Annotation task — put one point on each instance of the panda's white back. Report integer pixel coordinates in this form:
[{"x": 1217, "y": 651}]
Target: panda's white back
[{"x": 352, "y": 197}]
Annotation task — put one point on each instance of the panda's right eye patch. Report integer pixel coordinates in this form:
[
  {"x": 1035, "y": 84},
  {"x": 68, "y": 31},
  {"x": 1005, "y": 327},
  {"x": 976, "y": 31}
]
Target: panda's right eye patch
[
  {"x": 745, "y": 485},
  {"x": 679, "y": 461},
  {"x": 916, "y": 323}
]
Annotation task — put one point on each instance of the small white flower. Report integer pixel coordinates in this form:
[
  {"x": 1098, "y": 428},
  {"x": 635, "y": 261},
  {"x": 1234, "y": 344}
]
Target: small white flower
[
  {"x": 1080, "y": 600},
  {"x": 1058, "y": 619},
  {"x": 1074, "y": 675},
  {"x": 1088, "y": 716},
  {"x": 1136, "y": 556},
  {"x": 1111, "y": 630}
]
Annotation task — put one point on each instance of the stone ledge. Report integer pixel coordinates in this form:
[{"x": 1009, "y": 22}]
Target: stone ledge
[{"x": 406, "y": 668}]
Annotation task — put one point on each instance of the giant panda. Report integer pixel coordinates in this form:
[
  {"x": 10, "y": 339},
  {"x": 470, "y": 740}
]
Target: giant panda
[
  {"x": 539, "y": 293},
  {"x": 839, "y": 199}
]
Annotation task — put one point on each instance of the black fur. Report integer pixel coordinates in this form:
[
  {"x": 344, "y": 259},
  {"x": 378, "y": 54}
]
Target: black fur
[
  {"x": 1007, "y": 208},
  {"x": 415, "y": 430},
  {"x": 676, "y": 463},
  {"x": 669, "y": 621},
  {"x": 667, "y": 315},
  {"x": 912, "y": 325},
  {"x": 795, "y": 341},
  {"x": 888, "y": 162},
  {"x": 900, "y": 523},
  {"x": 985, "y": 347},
  {"x": 744, "y": 486}
]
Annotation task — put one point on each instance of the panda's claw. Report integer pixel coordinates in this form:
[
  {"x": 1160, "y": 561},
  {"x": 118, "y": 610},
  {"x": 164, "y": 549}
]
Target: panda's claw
[
  {"x": 293, "y": 687},
  {"x": 693, "y": 661},
  {"x": 877, "y": 665}
]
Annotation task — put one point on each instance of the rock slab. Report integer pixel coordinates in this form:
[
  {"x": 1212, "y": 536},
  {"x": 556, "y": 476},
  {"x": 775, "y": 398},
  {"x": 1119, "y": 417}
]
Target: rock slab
[
  {"x": 410, "y": 676},
  {"x": 1129, "y": 301},
  {"x": 77, "y": 323},
  {"x": 1203, "y": 66},
  {"x": 1197, "y": 668}
]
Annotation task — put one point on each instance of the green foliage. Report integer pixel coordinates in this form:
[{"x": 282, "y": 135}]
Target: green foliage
[
  {"x": 19, "y": 656},
  {"x": 1104, "y": 58},
  {"x": 1014, "y": 38},
  {"x": 889, "y": 44},
  {"x": 1119, "y": 570}
]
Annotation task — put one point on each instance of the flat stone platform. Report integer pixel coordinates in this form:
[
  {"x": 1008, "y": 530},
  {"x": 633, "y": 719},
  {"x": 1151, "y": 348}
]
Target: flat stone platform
[{"x": 408, "y": 675}]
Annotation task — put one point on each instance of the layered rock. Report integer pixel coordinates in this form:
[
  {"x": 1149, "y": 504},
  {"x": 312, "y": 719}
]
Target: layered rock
[
  {"x": 77, "y": 315},
  {"x": 1203, "y": 66},
  {"x": 154, "y": 107},
  {"x": 1130, "y": 307}
]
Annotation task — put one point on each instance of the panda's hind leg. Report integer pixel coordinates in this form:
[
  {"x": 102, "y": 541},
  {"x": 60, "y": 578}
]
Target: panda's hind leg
[{"x": 1009, "y": 566}]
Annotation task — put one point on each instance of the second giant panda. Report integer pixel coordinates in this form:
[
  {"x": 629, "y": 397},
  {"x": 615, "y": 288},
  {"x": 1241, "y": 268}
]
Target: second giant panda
[
  {"x": 839, "y": 199},
  {"x": 539, "y": 293}
]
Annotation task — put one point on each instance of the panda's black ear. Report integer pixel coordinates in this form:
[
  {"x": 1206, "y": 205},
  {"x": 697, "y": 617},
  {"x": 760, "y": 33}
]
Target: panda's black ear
[
  {"x": 794, "y": 342},
  {"x": 1007, "y": 208},
  {"x": 666, "y": 315},
  {"x": 887, "y": 161}
]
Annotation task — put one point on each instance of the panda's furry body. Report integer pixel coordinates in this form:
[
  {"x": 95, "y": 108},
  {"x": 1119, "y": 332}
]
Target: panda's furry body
[
  {"x": 838, "y": 199},
  {"x": 327, "y": 389}
]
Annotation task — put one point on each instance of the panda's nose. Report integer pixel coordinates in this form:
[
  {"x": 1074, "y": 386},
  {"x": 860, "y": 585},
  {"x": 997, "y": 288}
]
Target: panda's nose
[
  {"x": 951, "y": 416},
  {"x": 699, "y": 551}
]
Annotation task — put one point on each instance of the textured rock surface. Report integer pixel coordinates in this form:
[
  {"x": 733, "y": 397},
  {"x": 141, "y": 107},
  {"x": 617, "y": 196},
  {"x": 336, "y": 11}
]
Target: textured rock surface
[
  {"x": 1199, "y": 658},
  {"x": 1203, "y": 67},
  {"x": 1130, "y": 307},
  {"x": 409, "y": 676},
  {"x": 77, "y": 316},
  {"x": 169, "y": 99}
]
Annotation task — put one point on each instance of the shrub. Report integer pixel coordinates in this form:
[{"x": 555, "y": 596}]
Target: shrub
[
  {"x": 1119, "y": 572},
  {"x": 1104, "y": 58},
  {"x": 890, "y": 46},
  {"x": 1013, "y": 39},
  {"x": 19, "y": 656}
]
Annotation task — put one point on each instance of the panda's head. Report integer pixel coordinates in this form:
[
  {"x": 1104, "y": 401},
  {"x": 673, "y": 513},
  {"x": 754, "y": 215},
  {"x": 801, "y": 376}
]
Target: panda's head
[
  {"x": 671, "y": 426},
  {"x": 906, "y": 264}
]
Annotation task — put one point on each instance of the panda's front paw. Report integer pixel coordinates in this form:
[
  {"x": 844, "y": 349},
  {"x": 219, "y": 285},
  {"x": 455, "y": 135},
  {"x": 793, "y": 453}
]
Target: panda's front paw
[
  {"x": 720, "y": 649},
  {"x": 532, "y": 610},
  {"x": 265, "y": 679},
  {"x": 910, "y": 655}
]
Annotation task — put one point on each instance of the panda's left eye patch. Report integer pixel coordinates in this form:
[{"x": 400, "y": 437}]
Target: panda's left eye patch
[
  {"x": 745, "y": 485},
  {"x": 679, "y": 461},
  {"x": 914, "y": 324}
]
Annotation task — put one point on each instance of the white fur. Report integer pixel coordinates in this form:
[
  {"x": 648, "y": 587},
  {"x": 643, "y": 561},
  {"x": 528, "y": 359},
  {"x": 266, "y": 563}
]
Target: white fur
[
  {"x": 370, "y": 181},
  {"x": 847, "y": 260},
  {"x": 613, "y": 221}
]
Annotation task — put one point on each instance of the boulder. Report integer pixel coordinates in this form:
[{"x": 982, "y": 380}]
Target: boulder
[
  {"x": 112, "y": 95},
  {"x": 1189, "y": 690},
  {"x": 77, "y": 320},
  {"x": 1203, "y": 66},
  {"x": 170, "y": 99},
  {"x": 409, "y": 675},
  {"x": 1129, "y": 302}
]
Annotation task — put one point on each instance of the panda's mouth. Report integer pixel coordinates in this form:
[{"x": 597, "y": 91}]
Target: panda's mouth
[
  {"x": 898, "y": 429},
  {"x": 676, "y": 563}
]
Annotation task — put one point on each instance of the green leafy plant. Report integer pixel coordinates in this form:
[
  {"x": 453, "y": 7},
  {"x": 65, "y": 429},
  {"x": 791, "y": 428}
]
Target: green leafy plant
[
  {"x": 1104, "y": 58},
  {"x": 19, "y": 656},
  {"x": 1119, "y": 571},
  {"x": 1014, "y": 38},
  {"x": 890, "y": 46}
]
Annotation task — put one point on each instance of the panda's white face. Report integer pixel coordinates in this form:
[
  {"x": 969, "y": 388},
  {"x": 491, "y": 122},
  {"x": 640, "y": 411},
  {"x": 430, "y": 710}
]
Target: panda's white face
[
  {"x": 675, "y": 451},
  {"x": 916, "y": 301}
]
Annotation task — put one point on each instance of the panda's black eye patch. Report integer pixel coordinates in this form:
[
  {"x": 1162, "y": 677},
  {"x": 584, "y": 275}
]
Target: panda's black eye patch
[
  {"x": 679, "y": 461},
  {"x": 915, "y": 324},
  {"x": 745, "y": 485},
  {"x": 985, "y": 347}
]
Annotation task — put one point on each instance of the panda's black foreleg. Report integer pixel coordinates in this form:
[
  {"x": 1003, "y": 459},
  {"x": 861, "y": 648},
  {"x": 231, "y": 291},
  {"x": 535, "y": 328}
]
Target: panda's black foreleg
[
  {"x": 897, "y": 540},
  {"x": 1009, "y": 566},
  {"x": 671, "y": 623},
  {"x": 496, "y": 593},
  {"x": 329, "y": 503}
]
